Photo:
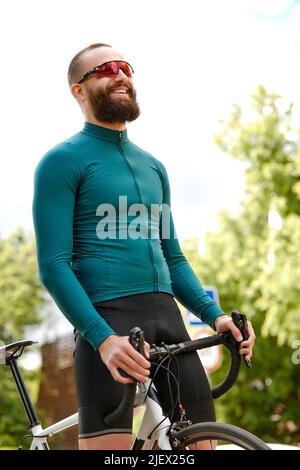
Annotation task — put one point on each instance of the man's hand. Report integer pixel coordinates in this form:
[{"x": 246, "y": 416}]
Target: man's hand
[
  {"x": 225, "y": 323},
  {"x": 116, "y": 352}
]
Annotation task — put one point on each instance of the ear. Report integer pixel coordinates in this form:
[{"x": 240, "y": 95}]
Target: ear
[{"x": 78, "y": 92}]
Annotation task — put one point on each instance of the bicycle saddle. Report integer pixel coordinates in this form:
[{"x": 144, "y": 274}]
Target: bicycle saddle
[{"x": 13, "y": 350}]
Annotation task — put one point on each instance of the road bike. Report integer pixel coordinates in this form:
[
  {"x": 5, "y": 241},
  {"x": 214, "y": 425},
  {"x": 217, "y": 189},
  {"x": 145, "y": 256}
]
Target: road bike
[{"x": 157, "y": 430}]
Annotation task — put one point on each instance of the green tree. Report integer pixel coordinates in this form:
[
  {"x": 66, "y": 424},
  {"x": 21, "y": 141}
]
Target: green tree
[
  {"x": 254, "y": 260},
  {"x": 21, "y": 295}
]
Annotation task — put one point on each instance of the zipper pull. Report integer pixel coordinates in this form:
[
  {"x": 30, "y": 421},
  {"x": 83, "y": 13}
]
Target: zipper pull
[{"x": 120, "y": 136}]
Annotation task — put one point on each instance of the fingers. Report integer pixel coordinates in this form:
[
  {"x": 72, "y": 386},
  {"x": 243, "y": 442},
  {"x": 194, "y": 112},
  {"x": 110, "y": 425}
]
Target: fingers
[
  {"x": 251, "y": 340},
  {"x": 118, "y": 377},
  {"x": 117, "y": 353},
  {"x": 137, "y": 357},
  {"x": 247, "y": 352},
  {"x": 236, "y": 332},
  {"x": 130, "y": 361},
  {"x": 141, "y": 375},
  {"x": 146, "y": 350},
  {"x": 247, "y": 346},
  {"x": 251, "y": 332},
  {"x": 132, "y": 368},
  {"x": 126, "y": 380}
]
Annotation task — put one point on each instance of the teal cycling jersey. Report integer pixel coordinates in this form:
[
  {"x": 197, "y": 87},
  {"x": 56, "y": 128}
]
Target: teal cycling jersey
[{"x": 91, "y": 244}]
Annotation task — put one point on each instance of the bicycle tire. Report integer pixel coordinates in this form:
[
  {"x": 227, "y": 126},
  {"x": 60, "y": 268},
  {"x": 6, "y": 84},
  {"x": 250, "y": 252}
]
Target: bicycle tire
[{"x": 218, "y": 431}]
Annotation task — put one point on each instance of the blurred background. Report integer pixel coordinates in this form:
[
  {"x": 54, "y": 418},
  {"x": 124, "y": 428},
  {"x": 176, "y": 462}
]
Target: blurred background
[{"x": 218, "y": 87}]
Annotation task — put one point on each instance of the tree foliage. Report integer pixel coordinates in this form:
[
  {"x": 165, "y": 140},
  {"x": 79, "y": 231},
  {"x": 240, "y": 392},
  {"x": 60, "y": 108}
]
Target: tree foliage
[
  {"x": 21, "y": 295},
  {"x": 254, "y": 260}
]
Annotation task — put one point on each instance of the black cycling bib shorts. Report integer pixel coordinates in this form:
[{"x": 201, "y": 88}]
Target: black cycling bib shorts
[{"x": 158, "y": 315}]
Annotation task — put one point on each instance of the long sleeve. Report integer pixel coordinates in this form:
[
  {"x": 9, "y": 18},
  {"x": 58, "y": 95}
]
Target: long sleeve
[
  {"x": 186, "y": 286},
  {"x": 56, "y": 181}
]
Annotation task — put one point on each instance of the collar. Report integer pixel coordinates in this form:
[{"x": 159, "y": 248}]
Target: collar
[{"x": 103, "y": 133}]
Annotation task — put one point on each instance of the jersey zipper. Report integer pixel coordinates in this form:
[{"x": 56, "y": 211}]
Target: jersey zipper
[{"x": 150, "y": 249}]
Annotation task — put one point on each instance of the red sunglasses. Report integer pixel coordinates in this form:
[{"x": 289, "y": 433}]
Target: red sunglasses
[{"x": 108, "y": 69}]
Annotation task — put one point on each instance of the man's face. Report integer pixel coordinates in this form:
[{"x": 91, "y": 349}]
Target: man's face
[{"x": 110, "y": 99}]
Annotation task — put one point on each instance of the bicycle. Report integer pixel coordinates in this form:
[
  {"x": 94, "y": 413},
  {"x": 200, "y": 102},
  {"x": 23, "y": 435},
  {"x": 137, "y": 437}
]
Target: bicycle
[{"x": 156, "y": 431}]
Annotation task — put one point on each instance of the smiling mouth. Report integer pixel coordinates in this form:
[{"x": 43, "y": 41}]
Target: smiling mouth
[{"x": 120, "y": 91}]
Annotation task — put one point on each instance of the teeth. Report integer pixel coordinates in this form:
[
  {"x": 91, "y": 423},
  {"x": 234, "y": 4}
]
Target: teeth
[{"x": 120, "y": 91}]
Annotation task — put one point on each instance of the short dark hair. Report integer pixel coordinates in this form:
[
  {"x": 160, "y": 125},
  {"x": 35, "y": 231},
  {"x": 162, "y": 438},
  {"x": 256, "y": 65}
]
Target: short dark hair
[{"x": 75, "y": 68}]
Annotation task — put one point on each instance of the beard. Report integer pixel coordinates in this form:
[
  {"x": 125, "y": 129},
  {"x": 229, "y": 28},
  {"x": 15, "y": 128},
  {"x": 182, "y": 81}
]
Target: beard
[{"x": 107, "y": 109}]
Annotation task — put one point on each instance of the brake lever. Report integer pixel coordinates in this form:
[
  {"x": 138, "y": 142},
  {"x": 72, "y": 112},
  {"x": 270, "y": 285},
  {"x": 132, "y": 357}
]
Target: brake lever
[
  {"x": 240, "y": 321},
  {"x": 137, "y": 340}
]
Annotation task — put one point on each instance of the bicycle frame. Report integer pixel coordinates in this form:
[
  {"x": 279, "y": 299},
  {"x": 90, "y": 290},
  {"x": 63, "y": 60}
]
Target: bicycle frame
[
  {"x": 39, "y": 435},
  {"x": 39, "y": 441},
  {"x": 145, "y": 436},
  {"x": 154, "y": 424}
]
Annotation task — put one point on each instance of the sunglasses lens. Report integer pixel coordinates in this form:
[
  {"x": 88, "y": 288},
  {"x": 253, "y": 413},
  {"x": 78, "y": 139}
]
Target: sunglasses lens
[
  {"x": 107, "y": 70},
  {"x": 126, "y": 69},
  {"x": 111, "y": 69}
]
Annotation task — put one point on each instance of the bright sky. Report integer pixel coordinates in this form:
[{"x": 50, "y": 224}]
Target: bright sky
[{"x": 192, "y": 60}]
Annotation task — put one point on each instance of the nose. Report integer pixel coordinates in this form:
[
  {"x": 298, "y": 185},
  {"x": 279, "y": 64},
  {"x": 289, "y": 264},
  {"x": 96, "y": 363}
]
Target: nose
[{"x": 121, "y": 75}]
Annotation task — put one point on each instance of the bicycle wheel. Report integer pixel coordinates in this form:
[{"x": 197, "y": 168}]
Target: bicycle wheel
[{"x": 217, "y": 431}]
